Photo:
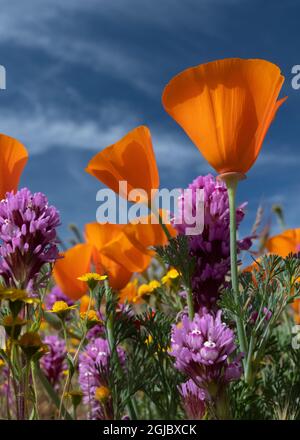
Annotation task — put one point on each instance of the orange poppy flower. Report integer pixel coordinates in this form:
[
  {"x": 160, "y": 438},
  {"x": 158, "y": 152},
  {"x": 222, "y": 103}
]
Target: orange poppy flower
[
  {"x": 99, "y": 236},
  {"x": 144, "y": 235},
  {"x": 131, "y": 159},
  {"x": 75, "y": 262},
  {"x": 13, "y": 158},
  {"x": 112, "y": 243},
  {"x": 226, "y": 108},
  {"x": 296, "y": 308},
  {"x": 284, "y": 243}
]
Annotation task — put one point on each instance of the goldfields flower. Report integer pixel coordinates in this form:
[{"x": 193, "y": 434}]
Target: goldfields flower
[
  {"x": 92, "y": 279},
  {"x": 75, "y": 396},
  {"x": 147, "y": 289},
  {"x": 31, "y": 343},
  {"x": 28, "y": 235},
  {"x": 61, "y": 309},
  {"x": 13, "y": 325},
  {"x": 124, "y": 160},
  {"x": 13, "y": 295},
  {"x": 92, "y": 276},
  {"x": 56, "y": 294},
  {"x": 102, "y": 394},
  {"x": 171, "y": 275},
  {"x": 91, "y": 317},
  {"x": 226, "y": 107}
]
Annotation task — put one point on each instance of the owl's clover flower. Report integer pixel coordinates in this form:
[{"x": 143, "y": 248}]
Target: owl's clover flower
[
  {"x": 202, "y": 348},
  {"x": 94, "y": 374},
  {"x": 211, "y": 248},
  {"x": 193, "y": 400},
  {"x": 53, "y": 363},
  {"x": 28, "y": 237}
]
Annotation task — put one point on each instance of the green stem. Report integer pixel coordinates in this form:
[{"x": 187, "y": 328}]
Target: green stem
[
  {"x": 189, "y": 293},
  {"x": 26, "y": 388},
  {"x": 36, "y": 406},
  {"x": 75, "y": 358},
  {"x": 111, "y": 343},
  {"x": 248, "y": 369},
  {"x": 190, "y": 303},
  {"x": 231, "y": 184},
  {"x": 50, "y": 391}
]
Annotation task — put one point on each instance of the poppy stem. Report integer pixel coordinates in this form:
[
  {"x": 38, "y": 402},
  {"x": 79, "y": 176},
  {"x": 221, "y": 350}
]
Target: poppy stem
[{"x": 231, "y": 183}]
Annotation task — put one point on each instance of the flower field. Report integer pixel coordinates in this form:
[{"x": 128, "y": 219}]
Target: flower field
[{"x": 146, "y": 320}]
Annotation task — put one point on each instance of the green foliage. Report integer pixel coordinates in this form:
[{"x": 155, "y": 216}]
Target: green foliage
[{"x": 176, "y": 254}]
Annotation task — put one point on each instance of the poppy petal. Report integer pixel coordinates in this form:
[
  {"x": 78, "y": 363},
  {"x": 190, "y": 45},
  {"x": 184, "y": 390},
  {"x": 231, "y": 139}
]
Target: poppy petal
[
  {"x": 75, "y": 262},
  {"x": 13, "y": 158},
  {"x": 225, "y": 107},
  {"x": 131, "y": 159},
  {"x": 285, "y": 243}
]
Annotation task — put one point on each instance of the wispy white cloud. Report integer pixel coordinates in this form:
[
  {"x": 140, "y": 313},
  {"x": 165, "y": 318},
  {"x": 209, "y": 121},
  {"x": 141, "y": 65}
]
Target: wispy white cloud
[
  {"x": 48, "y": 128},
  {"x": 44, "y": 130},
  {"x": 61, "y": 29}
]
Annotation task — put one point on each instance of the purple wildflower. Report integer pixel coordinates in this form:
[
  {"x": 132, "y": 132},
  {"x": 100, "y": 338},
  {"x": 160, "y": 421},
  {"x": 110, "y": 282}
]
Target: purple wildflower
[
  {"x": 28, "y": 235},
  {"x": 94, "y": 373},
  {"x": 56, "y": 294},
  {"x": 193, "y": 399},
  {"x": 202, "y": 348},
  {"x": 53, "y": 362},
  {"x": 211, "y": 248},
  {"x": 95, "y": 332}
]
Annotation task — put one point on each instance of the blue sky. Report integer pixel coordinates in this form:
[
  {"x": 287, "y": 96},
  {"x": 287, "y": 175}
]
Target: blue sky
[{"x": 80, "y": 74}]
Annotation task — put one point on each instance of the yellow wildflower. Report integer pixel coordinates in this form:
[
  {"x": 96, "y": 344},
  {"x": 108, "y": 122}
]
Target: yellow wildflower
[
  {"x": 102, "y": 394},
  {"x": 17, "y": 295},
  {"x": 172, "y": 274},
  {"x": 13, "y": 325},
  {"x": 149, "y": 340},
  {"x": 146, "y": 289},
  {"x": 91, "y": 318},
  {"x": 92, "y": 276},
  {"x": 31, "y": 342},
  {"x": 61, "y": 308}
]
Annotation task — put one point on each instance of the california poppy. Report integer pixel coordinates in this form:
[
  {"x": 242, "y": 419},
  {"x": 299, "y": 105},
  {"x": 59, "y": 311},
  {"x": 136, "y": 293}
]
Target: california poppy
[
  {"x": 98, "y": 236},
  {"x": 75, "y": 262},
  {"x": 296, "y": 308},
  {"x": 13, "y": 158},
  {"x": 285, "y": 243},
  {"x": 226, "y": 108},
  {"x": 144, "y": 235},
  {"x": 131, "y": 159}
]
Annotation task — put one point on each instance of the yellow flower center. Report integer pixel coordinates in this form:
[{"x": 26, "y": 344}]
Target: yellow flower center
[
  {"x": 60, "y": 306},
  {"x": 92, "y": 276}
]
